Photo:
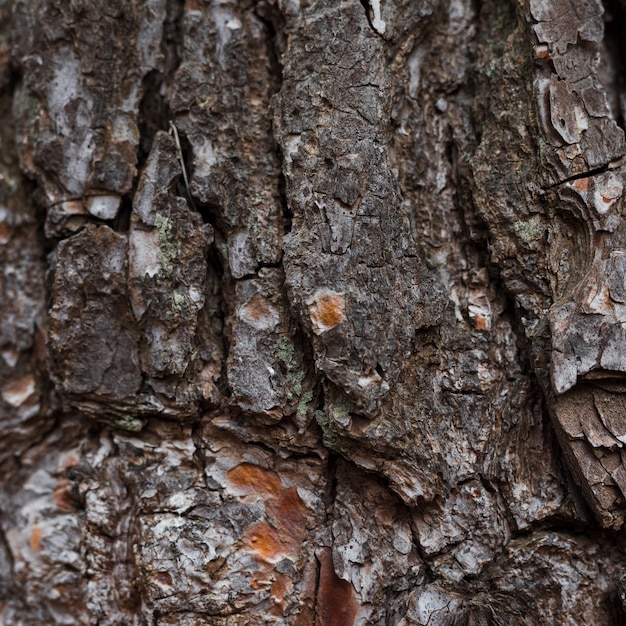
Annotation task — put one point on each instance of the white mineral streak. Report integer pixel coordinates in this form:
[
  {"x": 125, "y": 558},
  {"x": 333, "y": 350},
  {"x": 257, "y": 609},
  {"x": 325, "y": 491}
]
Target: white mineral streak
[
  {"x": 433, "y": 607},
  {"x": 205, "y": 157},
  {"x": 104, "y": 207},
  {"x": 150, "y": 34},
  {"x": 241, "y": 254},
  {"x": 378, "y": 24},
  {"x": 292, "y": 145},
  {"x": 65, "y": 92}
]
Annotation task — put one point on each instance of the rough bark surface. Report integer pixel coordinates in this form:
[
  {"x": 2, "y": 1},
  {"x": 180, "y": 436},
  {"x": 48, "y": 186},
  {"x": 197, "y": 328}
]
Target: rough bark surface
[{"x": 312, "y": 312}]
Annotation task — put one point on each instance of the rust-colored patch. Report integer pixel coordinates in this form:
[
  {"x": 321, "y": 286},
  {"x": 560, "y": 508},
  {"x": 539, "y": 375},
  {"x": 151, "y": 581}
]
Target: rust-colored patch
[
  {"x": 261, "y": 578},
  {"x": 480, "y": 323},
  {"x": 252, "y": 479},
  {"x": 336, "y": 602},
  {"x": 214, "y": 566},
  {"x": 327, "y": 310},
  {"x": 258, "y": 308},
  {"x": 582, "y": 184},
  {"x": 63, "y": 497},
  {"x": 164, "y": 578},
  {"x": 264, "y": 541},
  {"x": 281, "y": 585},
  {"x": 606, "y": 200},
  {"x": 6, "y": 232},
  {"x": 289, "y": 512},
  {"x": 70, "y": 460},
  {"x": 35, "y": 538}
]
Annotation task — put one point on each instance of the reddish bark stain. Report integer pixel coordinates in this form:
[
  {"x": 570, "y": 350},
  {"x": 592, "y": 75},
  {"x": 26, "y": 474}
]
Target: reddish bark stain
[
  {"x": 35, "y": 538},
  {"x": 328, "y": 311},
  {"x": 258, "y": 308},
  {"x": 262, "y": 578},
  {"x": 336, "y": 602},
  {"x": 63, "y": 496},
  {"x": 6, "y": 233},
  {"x": 253, "y": 479},
  {"x": 70, "y": 461},
  {"x": 480, "y": 323},
  {"x": 281, "y": 585},
  {"x": 582, "y": 184},
  {"x": 264, "y": 541},
  {"x": 289, "y": 514}
]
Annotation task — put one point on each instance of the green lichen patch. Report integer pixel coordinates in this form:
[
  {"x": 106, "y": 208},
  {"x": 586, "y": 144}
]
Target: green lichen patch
[
  {"x": 168, "y": 247},
  {"x": 294, "y": 376},
  {"x": 529, "y": 231},
  {"x": 305, "y": 403},
  {"x": 325, "y": 422},
  {"x": 342, "y": 407}
]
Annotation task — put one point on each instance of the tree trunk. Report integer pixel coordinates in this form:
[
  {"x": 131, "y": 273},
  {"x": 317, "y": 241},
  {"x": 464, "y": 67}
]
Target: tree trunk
[{"x": 313, "y": 312}]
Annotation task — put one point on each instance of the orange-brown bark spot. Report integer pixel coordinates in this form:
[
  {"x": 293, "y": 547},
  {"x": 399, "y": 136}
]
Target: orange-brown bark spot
[
  {"x": 289, "y": 513},
  {"x": 327, "y": 310},
  {"x": 264, "y": 541},
  {"x": 259, "y": 312},
  {"x": 35, "y": 538},
  {"x": 336, "y": 602},
  {"x": 252, "y": 479},
  {"x": 257, "y": 307},
  {"x": 263, "y": 577},
  {"x": 582, "y": 184},
  {"x": 480, "y": 323},
  {"x": 63, "y": 497},
  {"x": 281, "y": 585},
  {"x": 70, "y": 460},
  {"x": 6, "y": 232}
]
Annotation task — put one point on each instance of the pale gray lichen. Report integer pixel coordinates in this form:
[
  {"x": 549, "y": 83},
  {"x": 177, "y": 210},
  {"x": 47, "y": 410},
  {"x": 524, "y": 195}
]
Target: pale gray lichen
[
  {"x": 168, "y": 248},
  {"x": 326, "y": 424},
  {"x": 295, "y": 376},
  {"x": 528, "y": 230},
  {"x": 305, "y": 402}
]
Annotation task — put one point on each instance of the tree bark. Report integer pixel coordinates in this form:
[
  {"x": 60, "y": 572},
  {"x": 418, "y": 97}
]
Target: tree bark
[{"x": 313, "y": 312}]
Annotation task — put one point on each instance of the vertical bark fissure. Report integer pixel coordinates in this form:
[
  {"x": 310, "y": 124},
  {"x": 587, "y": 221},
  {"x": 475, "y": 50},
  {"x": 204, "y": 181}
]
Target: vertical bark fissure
[{"x": 615, "y": 81}]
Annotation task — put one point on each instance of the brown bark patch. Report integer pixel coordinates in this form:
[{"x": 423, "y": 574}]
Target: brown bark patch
[
  {"x": 63, "y": 497},
  {"x": 281, "y": 585},
  {"x": 289, "y": 510},
  {"x": 327, "y": 310},
  {"x": 252, "y": 479},
  {"x": 165, "y": 578},
  {"x": 259, "y": 313},
  {"x": 336, "y": 604},
  {"x": 264, "y": 541},
  {"x": 35, "y": 538},
  {"x": 6, "y": 232},
  {"x": 582, "y": 184},
  {"x": 18, "y": 391}
]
